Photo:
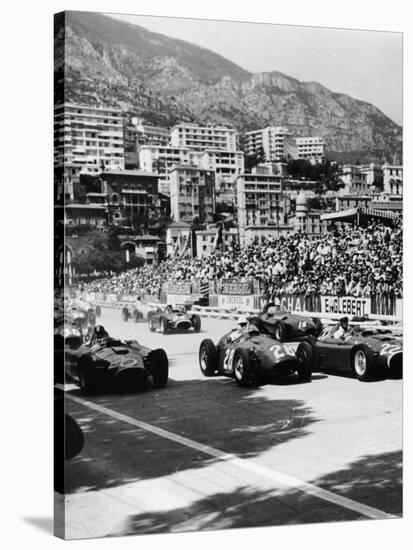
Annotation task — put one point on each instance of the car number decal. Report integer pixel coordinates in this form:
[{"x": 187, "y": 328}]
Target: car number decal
[
  {"x": 123, "y": 362},
  {"x": 302, "y": 325},
  {"x": 281, "y": 351},
  {"x": 228, "y": 359},
  {"x": 390, "y": 349}
]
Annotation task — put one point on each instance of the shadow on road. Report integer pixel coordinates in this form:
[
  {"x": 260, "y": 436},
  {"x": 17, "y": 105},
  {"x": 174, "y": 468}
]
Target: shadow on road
[
  {"x": 213, "y": 412},
  {"x": 374, "y": 480}
]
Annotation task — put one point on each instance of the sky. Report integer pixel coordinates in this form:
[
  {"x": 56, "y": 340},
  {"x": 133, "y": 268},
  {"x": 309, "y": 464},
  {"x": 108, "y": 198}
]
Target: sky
[{"x": 366, "y": 65}]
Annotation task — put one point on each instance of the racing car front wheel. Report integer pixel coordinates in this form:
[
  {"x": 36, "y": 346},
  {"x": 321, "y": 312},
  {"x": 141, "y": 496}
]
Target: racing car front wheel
[
  {"x": 362, "y": 363},
  {"x": 305, "y": 358},
  {"x": 159, "y": 366},
  {"x": 151, "y": 323},
  {"x": 208, "y": 357},
  {"x": 244, "y": 373}
]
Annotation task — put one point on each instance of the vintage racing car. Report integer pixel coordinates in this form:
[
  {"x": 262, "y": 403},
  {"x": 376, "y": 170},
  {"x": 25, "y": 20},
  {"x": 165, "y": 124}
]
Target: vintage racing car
[
  {"x": 252, "y": 358},
  {"x": 366, "y": 352},
  {"x": 122, "y": 365},
  {"x": 169, "y": 318},
  {"x": 285, "y": 326},
  {"x": 82, "y": 313},
  {"x": 138, "y": 311}
]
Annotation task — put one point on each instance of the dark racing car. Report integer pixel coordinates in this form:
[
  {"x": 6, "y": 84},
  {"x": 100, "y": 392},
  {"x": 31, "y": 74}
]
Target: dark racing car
[
  {"x": 285, "y": 326},
  {"x": 169, "y": 318},
  {"x": 368, "y": 353},
  {"x": 106, "y": 362},
  {"x": 252, "y": 358}
]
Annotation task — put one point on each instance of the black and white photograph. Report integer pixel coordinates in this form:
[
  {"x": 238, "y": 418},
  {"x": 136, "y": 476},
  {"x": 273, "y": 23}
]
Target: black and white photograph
[{"x": 228, "y": 275}]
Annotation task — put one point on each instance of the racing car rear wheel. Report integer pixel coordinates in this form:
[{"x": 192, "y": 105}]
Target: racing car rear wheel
[
  {"x": 208, "y": 357},
  {"x": 305, "y": 356},
  {"x": 159, "y": 367},
  {"x": 244, "y": 372},
  {"x": 362, "y": 363},
  {"x": 137, "y": 316},
  {"x": 86, "y": 382},
  {"x": 196, "y": 322},
  {"x": 125, "y": 314},
  {"x": 280, "y": 331},
  {"x": 164, "y": 325}
]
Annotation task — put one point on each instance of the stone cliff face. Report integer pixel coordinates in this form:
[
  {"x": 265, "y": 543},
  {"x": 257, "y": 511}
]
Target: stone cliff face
[{"x": 166, "y": 80}]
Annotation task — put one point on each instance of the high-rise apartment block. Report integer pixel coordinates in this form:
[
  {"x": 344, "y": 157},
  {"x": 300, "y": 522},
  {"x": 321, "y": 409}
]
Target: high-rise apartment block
[
  {"x": 87, "y": 140},
  {"x": 270, "y": 140},
  {"x": 192, "y": 194},
  {"x": 199, "y": 138}
]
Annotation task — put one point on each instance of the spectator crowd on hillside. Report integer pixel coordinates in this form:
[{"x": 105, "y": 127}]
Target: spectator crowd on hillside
[{"x": 351, "y": 261}]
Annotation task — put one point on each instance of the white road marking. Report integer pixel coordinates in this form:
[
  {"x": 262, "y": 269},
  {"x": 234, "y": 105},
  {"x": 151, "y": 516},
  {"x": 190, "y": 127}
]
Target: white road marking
[{"x": 246, "y": 464}]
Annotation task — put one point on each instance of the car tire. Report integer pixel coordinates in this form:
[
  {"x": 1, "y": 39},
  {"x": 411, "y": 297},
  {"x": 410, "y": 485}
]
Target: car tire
[
  {"x": 362, "y": 363},
  {"x": 244, "y": 373},
  {"x": 98, "y": 311},
  {"x": 151, "y": 324},
  {"x": 164, "y": 326},
  {"x": 196, "y": 322},
  {"x": 84, "y": 370},
  {"x": 137, "y": 316},
  {"x": 159, "y": 367},
  {"x": 208, "y": 357},
  {"x": 125, "y": 314},
  {"x": 280, "y": 331},
  {"x": 305, "y": 356}
]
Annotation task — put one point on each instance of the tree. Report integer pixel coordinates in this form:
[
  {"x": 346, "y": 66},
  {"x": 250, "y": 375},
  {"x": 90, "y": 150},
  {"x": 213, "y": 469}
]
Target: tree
[{"x": 254, "y": 159}]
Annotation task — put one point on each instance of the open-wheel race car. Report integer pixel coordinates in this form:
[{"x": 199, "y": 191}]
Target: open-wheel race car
[
  {"x": 136, "y": 311},
  {"x": 82, "y": 313},
  {"x": 368, "y": 353},
  {"x": 106, "y": 362},
  {"x": 169, "y": 318},
  {"x": 285, "y": 326},
  {"x": 252, "y": 358}
]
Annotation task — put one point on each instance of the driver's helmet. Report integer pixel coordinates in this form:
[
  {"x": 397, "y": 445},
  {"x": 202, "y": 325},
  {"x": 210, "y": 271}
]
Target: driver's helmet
[
  {"x": 344, "y": 322},
  {"x": 99, "y": 332},
  {"x": 242, "y": 321}
]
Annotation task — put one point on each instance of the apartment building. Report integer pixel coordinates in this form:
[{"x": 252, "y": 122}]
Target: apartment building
[
  {"x": 310, "y": 148},
  {"x": 260, "y": 204},
  {"x": 86, "y": 140},
  {"x": 360, "y": 179},
  {"x": 393, "y": 179},
  {"x": 192, "y": 193},
  {"x": 199, "y": 138},
  {"x": 271, "y": 140}
]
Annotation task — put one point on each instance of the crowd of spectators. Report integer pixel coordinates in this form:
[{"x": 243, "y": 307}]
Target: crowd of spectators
[{"x": 351, "y": 261}]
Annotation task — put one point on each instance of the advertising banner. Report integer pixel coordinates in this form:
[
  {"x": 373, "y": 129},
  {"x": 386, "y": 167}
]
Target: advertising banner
[
  {"x": 236, "y": 288},
  {"x": 178, "y": 288},
  {"x": 345, "y": 305},
  {"x": 233, "y": 301}
]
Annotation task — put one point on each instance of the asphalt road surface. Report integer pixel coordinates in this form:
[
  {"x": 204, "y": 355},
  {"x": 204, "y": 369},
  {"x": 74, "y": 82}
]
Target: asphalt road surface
[{"x": 205, "y": 454}]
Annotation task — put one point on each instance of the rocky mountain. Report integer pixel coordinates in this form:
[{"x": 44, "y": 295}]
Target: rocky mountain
[{"x": 164, "y": 80}]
